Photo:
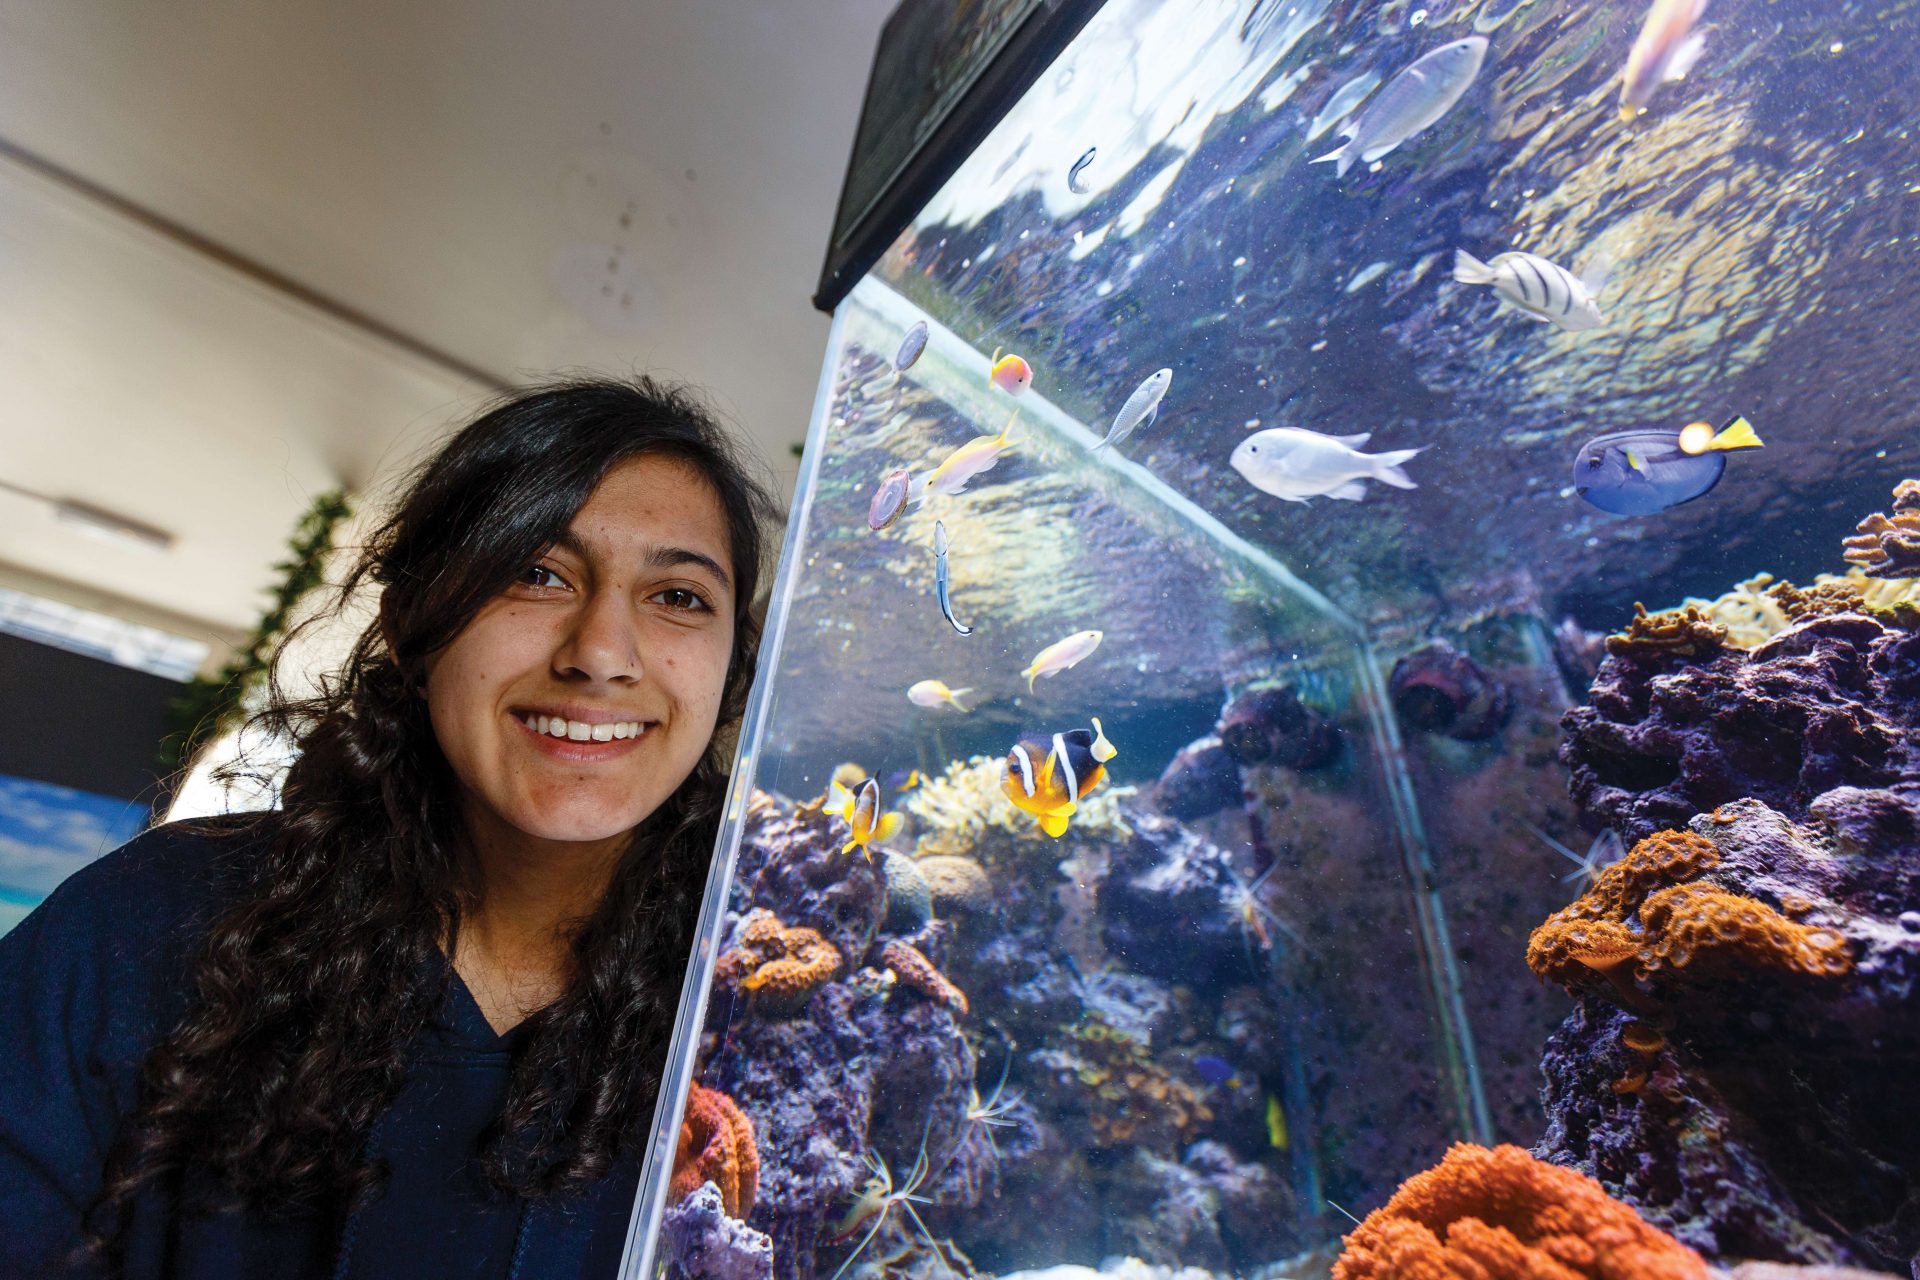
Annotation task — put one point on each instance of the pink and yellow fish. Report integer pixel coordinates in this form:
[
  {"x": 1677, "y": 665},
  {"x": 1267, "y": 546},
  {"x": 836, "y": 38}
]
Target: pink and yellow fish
[
  {"x": 977, "y": 455},
  {"x": 1665, "y": 50},
  {"x": 1010, "y": 373}
]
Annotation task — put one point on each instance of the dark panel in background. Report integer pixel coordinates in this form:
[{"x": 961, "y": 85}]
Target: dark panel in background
[
  {"x": 943, "y": 75},
  {"x": 80, "y": 722}
]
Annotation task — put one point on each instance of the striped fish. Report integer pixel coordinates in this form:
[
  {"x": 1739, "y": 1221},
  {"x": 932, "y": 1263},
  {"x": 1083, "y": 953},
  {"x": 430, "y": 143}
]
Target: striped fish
[{"x": 1540, "y": 288}]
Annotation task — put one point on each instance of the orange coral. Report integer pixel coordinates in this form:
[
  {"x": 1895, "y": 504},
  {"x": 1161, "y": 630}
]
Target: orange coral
[
  {"x": 1889, "y": 546},
  {"x": 1500, "y": 1214},
  {"x": 716, "y": 1145},
  {"x": 1678, "y": 922},
  {"x": 1685, "y": 633},
  {"x": 914, "y": 969},
  {"x": 1642, "y": 1038},
  {"x": 777, "y": 961}
]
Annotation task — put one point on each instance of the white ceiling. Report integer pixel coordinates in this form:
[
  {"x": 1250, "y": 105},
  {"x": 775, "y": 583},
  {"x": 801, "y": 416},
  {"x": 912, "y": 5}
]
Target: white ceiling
[{"x": 610, "y": 184}]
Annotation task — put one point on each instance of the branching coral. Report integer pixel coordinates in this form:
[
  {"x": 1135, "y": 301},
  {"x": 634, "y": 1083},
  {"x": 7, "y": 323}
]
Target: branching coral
[
  {"x": 1678, "y": 923},
  {"x": 1500, "y": 1214},
  {"x": 716, "y": 1145},
  {"x": 1889, "y": 546},
  {"x": 964, "y": 803},
  {"x": 912, "y": 967},
  {"x": 781, "y": 963},
  {"x": 1683, "y": 633}
]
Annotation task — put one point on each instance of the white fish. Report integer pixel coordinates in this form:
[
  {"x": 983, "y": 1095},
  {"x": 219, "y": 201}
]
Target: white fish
[
  {"x": 1422, "y": 93},
  {"x": 1542, "y": 289},
  {"x": 1296, "y": 464},
  {"x": 1665, "y": 50},
  {"x": 1141, "y": 408},
  {"x": 1061, "y": 654},
  {"x": 1341, "y": 104},
  {"x": 953, "y": 476},
  {"x": 934, "y": 693}
]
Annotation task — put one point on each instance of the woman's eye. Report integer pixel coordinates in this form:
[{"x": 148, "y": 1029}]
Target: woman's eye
[
  {"x": 538, "y": 575},
  {"x": 682, "y": 598}
]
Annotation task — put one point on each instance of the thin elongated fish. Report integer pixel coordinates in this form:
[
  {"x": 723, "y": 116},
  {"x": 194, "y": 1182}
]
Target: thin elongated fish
[
  {"x": 1079, "y": 167},
  {"x": 1141, "y": 408},
  {"x": 942, "y": 582},
  {"x": 1412, "y": 101},
  {"x": 1542, "y": 289},
  {"x": 1665, "y": 50}
]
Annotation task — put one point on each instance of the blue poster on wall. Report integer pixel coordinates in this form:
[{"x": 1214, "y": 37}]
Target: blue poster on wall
[{"x": 47, "y": 833}]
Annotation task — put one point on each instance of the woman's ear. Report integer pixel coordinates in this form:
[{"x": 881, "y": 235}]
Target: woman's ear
[{"x": 387, "y": 630}]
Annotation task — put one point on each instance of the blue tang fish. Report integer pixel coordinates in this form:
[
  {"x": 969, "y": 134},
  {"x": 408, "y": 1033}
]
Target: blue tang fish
[{"x": 1636, "y": 473}]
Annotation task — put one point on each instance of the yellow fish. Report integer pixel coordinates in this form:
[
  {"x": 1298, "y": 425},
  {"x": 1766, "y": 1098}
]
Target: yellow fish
[
  {"x": 1010, "y": 373},
  {"x": 1061, "y": 654},
  {"x": 977, "y": 455},
  {"x": 861, "y": 812},
  {"x": 1276, "y": 1123},
  {"x": 934, "y": 693},
  {"x": 1070, "y": 765}
]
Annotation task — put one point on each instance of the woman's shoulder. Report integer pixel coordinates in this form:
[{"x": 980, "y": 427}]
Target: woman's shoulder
[{"x": 152, "y": 899}]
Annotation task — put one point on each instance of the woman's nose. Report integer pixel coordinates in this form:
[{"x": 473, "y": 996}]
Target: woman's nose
[{"x": 604, "y": 641}]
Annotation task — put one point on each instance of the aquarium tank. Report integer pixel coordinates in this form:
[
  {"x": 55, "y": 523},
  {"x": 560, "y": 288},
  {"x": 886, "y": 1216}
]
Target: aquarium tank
[{"x": 1342, "y": 693}]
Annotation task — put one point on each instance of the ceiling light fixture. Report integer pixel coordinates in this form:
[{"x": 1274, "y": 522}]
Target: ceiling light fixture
[{"x": 98, "y": 522}]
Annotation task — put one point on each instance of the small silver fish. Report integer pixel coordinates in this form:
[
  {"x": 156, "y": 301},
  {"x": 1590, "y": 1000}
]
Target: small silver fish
[
  {"x": 1413, "y": 100},
  {"x": 942, "y": 581},
  {"x": 1079, "y": 166},
  {"x": 1542, "y": 289},
  {"x": 1141, "y": 408},
  {"x": 911, "y": 346}
]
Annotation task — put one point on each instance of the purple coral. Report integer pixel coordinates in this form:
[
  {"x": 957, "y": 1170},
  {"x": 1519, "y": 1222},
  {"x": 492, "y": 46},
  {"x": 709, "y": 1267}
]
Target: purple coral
[
  {"x": 703, "y": 1242},
  {"x": 1833, "y": 702},
  {"x": 1777, "y": 1119}
]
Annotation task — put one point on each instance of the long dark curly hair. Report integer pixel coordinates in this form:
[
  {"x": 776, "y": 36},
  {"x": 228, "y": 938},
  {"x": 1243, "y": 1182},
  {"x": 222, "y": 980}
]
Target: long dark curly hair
[{"x": 313, "y": 988}]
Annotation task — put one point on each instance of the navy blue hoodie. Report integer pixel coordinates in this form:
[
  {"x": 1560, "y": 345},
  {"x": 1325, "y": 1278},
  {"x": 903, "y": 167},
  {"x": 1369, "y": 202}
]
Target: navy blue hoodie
[{"x": 101, "y": 971}]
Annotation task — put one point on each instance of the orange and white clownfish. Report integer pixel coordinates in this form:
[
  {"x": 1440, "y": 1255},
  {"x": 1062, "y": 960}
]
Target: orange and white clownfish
[
  {"x": 861, "y": 812},
  {"x": 1048, "y": 776}
]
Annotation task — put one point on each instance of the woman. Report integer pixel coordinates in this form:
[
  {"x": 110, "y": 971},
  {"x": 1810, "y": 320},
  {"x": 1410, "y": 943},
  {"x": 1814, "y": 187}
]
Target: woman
[{"x": 412, "y": 1023}]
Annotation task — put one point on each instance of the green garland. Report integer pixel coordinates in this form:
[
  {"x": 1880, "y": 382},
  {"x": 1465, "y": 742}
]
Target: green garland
[{"x": 212, "y": 704}]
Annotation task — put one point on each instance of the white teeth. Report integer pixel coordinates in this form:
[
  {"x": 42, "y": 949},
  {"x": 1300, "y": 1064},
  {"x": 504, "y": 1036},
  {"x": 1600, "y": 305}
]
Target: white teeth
[{"x": 582, "y": 731}]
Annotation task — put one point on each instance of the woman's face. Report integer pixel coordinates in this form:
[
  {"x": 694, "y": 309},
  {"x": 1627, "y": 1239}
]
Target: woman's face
[{"x": 580, "y": 698}]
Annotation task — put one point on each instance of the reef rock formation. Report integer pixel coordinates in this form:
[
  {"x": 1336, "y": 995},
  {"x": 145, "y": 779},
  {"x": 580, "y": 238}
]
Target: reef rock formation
[
  {"x": 1755, "y": 1106},
  {"x": 1670, "y": 732},
  {"x": 1500, "y": 1214},
  {"x": 704, "y": 1242},
  {"x": 1889, "y": 546}
]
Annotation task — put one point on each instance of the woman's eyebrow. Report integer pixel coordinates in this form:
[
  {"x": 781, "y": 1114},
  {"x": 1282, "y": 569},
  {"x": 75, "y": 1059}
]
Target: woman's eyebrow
[{"x": 657, "y": 558}]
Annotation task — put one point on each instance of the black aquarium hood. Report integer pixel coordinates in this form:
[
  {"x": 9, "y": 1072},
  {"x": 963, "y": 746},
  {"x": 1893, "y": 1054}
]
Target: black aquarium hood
[{"x": 944, "y": 74}]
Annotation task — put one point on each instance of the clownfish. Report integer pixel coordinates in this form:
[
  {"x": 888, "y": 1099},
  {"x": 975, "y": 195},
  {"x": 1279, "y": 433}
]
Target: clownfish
[
  {"x": 861, "y": 812},
  {"x": 1047, "y": 777}
]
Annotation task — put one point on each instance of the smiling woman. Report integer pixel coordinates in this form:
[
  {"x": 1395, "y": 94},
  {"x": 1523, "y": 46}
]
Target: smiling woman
[{"x": 413, "y": 1022}]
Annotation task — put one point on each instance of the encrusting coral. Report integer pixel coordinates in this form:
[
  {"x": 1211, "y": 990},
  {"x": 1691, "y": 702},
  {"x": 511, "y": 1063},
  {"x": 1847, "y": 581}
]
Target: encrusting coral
[
  {"x": 1644, "y": 910},
  {"x": 716, "y": 1145},
  {"x": 1130, "y": 1100},
  {"x": 1685, "y": 632},
  {"x": 1500, "y": 1214},
  {"x": 957, "y": 882},
  {"x": 1760, "y": 608},
  {"x": 777, "y": 961},
  {"x": 912, "y": 967},
  {"x": 1889, "y": 546}
]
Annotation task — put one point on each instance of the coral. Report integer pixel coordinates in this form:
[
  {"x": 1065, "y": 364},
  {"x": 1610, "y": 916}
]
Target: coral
[
  {"x": 1500, "y": 1214},
  {"x": 1759, "y": 608},
  {"x": 1438, "y": 689},
  {"x": 703, "y": 1241},
  {"x": 779, "y": 962},
  {"x": 1268, "y": 724},
  {"x": 716, "y": 1146},
  {"x": 1679, "y": 923},
  {"x": 955, "y": 882},
  {"x": 959, "y": 806},
  {"x": 913, "y": 968},
  {"x": 1126, "y": 1098},
  {"x": 1686, "y": 632},
  {"x": 909, "y": 896},
  {"x": 1889, "y": 546},
  {"x": 1772, "y": 1116},
  {"x": 1833, "y": 701},
  {"x": 790, "y": 863}
]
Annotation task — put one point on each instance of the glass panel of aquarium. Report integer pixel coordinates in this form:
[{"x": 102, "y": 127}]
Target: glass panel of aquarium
[{"x": 1211, "y": 800}]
